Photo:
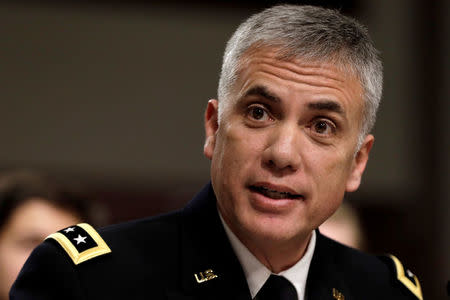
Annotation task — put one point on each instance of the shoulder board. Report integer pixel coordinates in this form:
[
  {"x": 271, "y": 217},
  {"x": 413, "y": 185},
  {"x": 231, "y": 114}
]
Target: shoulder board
[
  {"x": 405, "y": 276},
  {"x": 81, "y": 242}
]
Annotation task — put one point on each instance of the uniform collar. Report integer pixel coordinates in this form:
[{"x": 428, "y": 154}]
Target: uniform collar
[
  {"x": 326, "y": 277},
  {"x": 209, "y": 268},
  {"x": 257, "y": 274}
]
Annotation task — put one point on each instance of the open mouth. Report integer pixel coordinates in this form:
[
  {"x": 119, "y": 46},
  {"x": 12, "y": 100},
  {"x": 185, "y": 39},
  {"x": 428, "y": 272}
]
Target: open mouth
[{"x": 274, "y": 194}]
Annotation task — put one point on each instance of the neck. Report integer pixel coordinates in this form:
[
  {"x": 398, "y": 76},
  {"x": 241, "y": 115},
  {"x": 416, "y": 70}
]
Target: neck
[{"x": 278, "y": 256}]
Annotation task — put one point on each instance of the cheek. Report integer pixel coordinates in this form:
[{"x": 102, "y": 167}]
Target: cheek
[
  {"x": 236, "y": 150},
  {"x": 330, "y": 171},
  {"x": 331, "y": 166}
]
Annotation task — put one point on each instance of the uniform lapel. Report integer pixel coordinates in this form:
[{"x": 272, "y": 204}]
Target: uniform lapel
[
  {"x": 325, "y": 281},
  {"x": 209, "y": 267},
  {"x": 211, "y": 270}
]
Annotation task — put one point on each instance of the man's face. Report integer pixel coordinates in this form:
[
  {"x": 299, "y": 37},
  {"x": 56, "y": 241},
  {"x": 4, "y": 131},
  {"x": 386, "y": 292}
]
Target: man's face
[{"x": 283, "y": 153}]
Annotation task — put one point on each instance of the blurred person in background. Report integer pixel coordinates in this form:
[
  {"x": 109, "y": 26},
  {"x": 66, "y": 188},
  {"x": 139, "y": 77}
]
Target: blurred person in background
[
  {"x": 345, "y": 227},
  {"x": 32, "y": 206}
]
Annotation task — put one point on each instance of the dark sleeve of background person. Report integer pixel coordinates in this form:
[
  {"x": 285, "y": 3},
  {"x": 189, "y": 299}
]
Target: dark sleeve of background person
[{"x": 32, "y": 206}]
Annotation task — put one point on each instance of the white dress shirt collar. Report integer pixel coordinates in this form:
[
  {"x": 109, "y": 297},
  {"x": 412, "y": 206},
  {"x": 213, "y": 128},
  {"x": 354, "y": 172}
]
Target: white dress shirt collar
[{"x": 257, "y": 274}]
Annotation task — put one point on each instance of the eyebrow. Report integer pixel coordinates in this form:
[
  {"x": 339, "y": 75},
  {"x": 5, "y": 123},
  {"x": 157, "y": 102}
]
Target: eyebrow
[
  {"x": 328, "y": 105},
  {"x": 325, "y": 104},
  {"x": 262, "y": 91}
]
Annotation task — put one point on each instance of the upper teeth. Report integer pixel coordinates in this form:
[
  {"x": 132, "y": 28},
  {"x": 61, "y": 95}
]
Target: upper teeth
[
  {"x": 274, "y": 191},
  {"x": 275, "y": 194}
]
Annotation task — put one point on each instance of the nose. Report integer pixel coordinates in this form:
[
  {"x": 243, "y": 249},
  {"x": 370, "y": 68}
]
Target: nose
[{"x": 282, "y": 151}]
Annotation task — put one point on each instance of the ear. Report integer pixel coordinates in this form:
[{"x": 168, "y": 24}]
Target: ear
[
  {"x": 359, "y": 164},
  {"x": 211, "y": 126}
]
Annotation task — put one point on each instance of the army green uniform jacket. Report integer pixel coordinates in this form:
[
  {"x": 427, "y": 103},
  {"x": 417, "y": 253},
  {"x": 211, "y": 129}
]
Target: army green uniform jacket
[{"x": 186, "y": 255}]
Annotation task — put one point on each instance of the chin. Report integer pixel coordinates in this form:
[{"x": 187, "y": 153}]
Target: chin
[{"x": 276, "y": 229}]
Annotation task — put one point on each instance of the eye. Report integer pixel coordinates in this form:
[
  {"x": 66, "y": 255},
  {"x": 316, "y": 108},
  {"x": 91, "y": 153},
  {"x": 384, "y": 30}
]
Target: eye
[
  {"x": 258, "y": 113},
  {"x": 323, "y": 127}
]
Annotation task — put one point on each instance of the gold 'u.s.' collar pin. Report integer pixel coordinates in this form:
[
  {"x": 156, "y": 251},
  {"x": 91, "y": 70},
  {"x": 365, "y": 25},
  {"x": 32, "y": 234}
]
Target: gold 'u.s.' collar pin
[
  {"x": 338, "y": 295},
  {"x": 205, "y": 276}
]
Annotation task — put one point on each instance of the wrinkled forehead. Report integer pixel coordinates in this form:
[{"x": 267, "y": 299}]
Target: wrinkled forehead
[
  {"x": 255, "y": 57},
  {"x": 337, "y": 60}
]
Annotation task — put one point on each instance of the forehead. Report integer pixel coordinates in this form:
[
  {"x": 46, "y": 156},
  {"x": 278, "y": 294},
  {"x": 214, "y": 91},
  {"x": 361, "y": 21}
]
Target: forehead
[
  {"x": 328, "y": 69},
  {"x": 268, "y": 65}
]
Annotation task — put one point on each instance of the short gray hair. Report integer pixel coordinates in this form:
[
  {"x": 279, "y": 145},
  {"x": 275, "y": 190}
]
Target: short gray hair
[{"x": 311, "y": 33}]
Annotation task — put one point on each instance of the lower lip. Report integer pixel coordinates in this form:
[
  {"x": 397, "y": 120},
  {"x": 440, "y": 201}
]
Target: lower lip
[{"x": 266, "y": 204}]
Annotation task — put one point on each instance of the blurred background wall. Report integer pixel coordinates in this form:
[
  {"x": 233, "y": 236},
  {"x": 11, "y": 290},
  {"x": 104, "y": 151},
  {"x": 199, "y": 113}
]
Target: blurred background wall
[{"x": 111, "y": 95}]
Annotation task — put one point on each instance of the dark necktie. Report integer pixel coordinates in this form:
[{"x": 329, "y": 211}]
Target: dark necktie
[{"x": 277, "y": 288}]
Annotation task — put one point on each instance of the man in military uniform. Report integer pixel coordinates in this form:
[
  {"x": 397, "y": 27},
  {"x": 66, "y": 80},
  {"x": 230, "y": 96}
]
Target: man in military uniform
[{"x": 287, "y": 137}]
